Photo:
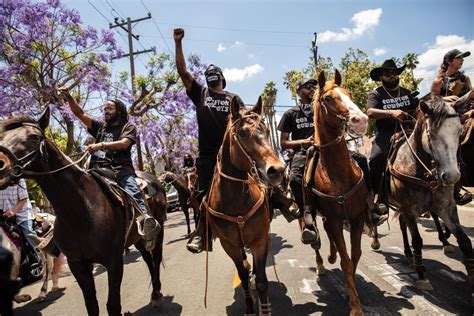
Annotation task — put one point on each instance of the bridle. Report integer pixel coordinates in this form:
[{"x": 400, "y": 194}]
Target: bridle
[{"x": 20, "y": 164}]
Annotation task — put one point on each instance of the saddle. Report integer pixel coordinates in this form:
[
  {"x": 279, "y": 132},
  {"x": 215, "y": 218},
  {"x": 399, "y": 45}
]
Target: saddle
[
  {"x": 466, "y": 133},
  {"x": 312, "y": 157}
]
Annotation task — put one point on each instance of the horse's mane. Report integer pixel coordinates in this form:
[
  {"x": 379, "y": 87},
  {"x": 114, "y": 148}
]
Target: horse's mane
[
  {"x": 15, "y": 122},
  {"x": 439, "y": 111}
]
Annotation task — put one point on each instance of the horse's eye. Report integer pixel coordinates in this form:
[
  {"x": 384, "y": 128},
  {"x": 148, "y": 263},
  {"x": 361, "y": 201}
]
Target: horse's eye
[
  {"x": 328, "y": 98},
  {"x": 242, "y": 133}
]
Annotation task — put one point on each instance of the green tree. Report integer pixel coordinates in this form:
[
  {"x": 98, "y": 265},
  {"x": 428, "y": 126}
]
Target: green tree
[
  {"x": 407, "y": 78},
  {"x": 269, "y": 98}
]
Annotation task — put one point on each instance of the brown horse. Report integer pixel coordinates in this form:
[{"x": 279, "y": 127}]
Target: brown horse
[
  {"x": 186, "y": 195},
  {"x": 89, "y": 228},
  {"x": 237, "y": 205},
  {"x": 338, "y": 181}
]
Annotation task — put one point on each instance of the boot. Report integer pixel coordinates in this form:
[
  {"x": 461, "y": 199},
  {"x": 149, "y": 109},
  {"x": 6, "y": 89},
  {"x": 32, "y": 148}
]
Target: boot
[
  {"x": 462, "y": 199},
  {"x": 280, "y": 201},
  {"x": 148, "y": 228},
  {"x": 376, "y": 214},
  {"x": 310, "y": 233},
  {"x": 197, "y": 242}
]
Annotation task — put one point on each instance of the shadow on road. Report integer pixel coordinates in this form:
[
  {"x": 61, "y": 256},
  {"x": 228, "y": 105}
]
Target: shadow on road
[
  {"x": 33, "y": 308},
  {"x": 281, "y": 302},
  {"x": 168, "y": 308}
]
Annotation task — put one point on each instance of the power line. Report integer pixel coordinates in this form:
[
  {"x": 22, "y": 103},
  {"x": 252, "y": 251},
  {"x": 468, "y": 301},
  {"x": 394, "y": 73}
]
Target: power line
[
  {"x": 236, "y": 30},
  {"x": 98, "y": 11},
  {"x": 157, "y": 27}
]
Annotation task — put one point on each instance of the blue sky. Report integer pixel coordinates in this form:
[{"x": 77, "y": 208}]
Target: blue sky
[{"x": 258, "y": 41}]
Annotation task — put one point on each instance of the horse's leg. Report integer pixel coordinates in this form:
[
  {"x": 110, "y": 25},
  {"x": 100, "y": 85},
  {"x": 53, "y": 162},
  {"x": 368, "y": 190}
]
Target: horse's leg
[
  {"x": 422, "y": 283},
  {"x": 357, "y": 226},
  {"x": 195, "y": 206},
  {"x": 46, "y": 275},
  {"x": 332, "y": 246},
  {"x": 447, "y": 248},
  {"x": 406, "y": 243},
  {"x": 259, "y": 253},
  {"x": 452, "y": 223},
  {"x": 346, "y": 266},
  {"x": 114, "y": 276},
  {"x": 83, "y": 273},
  {"x": 320, "y": 269},
  {"x": 156, "y": 296},
  {"x": 375, "y": 239},
  {"x": 57, "y": 265},
  {"x": 236, "y": 255},
  {"x": 185, "y": 208}
]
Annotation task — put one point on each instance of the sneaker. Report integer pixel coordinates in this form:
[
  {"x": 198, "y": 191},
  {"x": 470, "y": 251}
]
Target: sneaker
[
  {"x": 309, "y": 236},
  {"x": 290, "y": 214},
  {"x": 463, "y": 199},
  {"x": 148, "y": 228},
  {"x": 195, "y": 245},
  {"x": 378, "y": 220}
]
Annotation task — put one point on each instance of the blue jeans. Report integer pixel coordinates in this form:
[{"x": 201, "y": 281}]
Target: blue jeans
[
  {"x": 27, "y": 228},
  {"x": 129, "y": 184}
]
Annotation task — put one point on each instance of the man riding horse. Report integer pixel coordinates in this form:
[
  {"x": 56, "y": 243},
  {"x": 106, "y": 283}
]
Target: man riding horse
[
  {"x": 212, "y": 109},
  {"x": 114, "y": 139},
  {"x": 389, "y": 104}
]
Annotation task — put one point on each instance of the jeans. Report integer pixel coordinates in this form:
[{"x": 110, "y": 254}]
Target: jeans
[
  {"x": 205, "y": 170},
  {"x": 27, "y": 229},
  {"x": 129, "y": 184}
]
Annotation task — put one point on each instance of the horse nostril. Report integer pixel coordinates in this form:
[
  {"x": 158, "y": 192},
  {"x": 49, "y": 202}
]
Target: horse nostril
[
  {"x": 2, "y": 165},
  {"x": 355, "y": 119},
  {"x": 444, "y": 176}
]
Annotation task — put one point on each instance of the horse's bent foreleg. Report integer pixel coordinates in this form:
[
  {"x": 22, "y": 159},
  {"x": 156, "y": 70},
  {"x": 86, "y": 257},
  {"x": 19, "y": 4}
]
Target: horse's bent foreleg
[
  {"x": 347, "y": 267},
  {"x": 441, "y": 236},
  {"x": 332, "y": 247},
  {"x": 259, "y": 253},
  {"x": 82, "y": 271},
  {"x": 422, "y": 283}
]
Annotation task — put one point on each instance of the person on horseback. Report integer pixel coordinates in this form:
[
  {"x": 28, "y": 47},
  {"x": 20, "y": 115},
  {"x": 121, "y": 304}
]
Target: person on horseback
[
  {"x": 298, "y": 122},
  {"x": 212, "y": 110},
  {"x": 114, "y": 139},
  {"x": 455, "y": 84},
  {"x": 389, "y": 104}
]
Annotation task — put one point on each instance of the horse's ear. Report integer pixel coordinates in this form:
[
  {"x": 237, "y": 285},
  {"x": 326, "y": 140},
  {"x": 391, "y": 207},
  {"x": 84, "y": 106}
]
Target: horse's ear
[
  {"x": 235, "y": 106},
  {"x": 258, "y": 107},
  {"x": 424, "y": 107},
  {"x": 321, "y": 80},
  {"x": 43, "y": 121},
  {"x": 464, "y": 101},
  {"x": 337, "y": 77}
]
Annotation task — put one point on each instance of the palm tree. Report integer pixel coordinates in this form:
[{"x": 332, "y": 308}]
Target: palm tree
[{"x": 269, "y": 99}]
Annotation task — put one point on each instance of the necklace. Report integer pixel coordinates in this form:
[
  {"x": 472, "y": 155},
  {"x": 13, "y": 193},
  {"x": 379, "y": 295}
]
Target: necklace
[{"x": 393, "y": 97}]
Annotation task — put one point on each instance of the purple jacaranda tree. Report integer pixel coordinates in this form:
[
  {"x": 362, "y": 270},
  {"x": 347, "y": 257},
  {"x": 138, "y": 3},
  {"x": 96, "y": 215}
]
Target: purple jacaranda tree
[
  {"x": 43, "y": 46},
  {"x": 164, "y": 115}
]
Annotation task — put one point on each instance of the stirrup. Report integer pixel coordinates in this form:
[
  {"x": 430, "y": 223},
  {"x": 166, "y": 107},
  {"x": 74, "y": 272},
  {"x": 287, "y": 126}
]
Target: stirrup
[
  {"x": 148, "y": 229},
  {"x": 463, "y": 199},
  {"x": 195, "y": 245}
]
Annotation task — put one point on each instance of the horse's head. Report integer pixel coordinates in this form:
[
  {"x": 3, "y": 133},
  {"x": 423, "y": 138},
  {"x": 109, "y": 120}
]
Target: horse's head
[
  {"x": 22, "y": 144},
  {"x": 337, "y": 101},
  {"x": 441, "y": 128},
  {"x": 250, "y": 149}
]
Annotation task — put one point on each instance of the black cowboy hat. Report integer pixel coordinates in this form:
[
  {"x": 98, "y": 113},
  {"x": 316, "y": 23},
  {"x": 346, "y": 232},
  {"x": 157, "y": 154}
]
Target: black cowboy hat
[
  {"x": 213, "y": 69},
  {"x": 300, "y": 83},
  {"x": 389, "y": 64}
]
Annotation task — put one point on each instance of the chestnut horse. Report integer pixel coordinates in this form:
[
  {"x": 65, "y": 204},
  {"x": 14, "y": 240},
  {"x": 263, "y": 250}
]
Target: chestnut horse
[
  {"x": 186, "y": 195},
  {"x": 237, "y": 203},
  {"x": 89, "y": 228},
  {"x": 423, "y": 174},
  {"x": 339, "y": 192}
]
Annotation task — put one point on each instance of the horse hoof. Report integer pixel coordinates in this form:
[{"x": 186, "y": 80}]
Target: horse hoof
[
  {"x": 57, "y": 288},
  {"x": 375, "y": 245},
  {"x": 448, "y": 249},
  {"x": 157, "y": 302},
  {"x": 21, "y": 298},
  {"x": 321, "y": 271},
  {"x": 332, "y": 259},
  {"x": 40, "y": 299},
  {"x": 424, "y": 285}
]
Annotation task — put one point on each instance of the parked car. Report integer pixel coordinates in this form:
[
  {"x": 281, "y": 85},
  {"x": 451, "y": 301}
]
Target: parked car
[{"x": 172, "y": 198}]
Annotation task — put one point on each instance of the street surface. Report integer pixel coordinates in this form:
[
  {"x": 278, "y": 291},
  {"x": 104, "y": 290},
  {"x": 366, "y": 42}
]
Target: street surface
[{"x": 384, "y": 281}]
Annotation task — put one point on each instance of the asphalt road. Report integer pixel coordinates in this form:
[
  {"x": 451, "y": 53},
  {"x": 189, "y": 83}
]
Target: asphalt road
[{"x": 384, "y": 281}]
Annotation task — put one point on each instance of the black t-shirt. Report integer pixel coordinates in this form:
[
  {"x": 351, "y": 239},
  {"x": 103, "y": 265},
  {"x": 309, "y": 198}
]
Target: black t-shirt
[
  {"x": 212, "y": 110},
  {"x": 122, "y": 159},
  {"x": 298, "y": 123},
  {"x": 380, "y": 99}
]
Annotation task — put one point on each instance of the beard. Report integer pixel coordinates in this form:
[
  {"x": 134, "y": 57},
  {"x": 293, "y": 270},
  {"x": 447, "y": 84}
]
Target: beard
[
  {"x": 391, "y": 84},
  {"x": 112, "y": 119}
]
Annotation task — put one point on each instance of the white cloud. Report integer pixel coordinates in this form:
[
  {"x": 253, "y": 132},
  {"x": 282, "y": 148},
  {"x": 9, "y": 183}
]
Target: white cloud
[
  {"x": 239, "y": 74},
  {"x": 431, "y": 59},
  {"x": 237, "y": 43},
  {"x": 364, "y": 22},
  {"x": 380, "y": 51},
  {"x": 221, "y": 48}
]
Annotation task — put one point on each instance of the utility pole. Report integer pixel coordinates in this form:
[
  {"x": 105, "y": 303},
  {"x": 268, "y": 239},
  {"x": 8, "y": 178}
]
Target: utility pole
[
  {"x": 314, "y": 49},
  {"x": 132, "y": 54}
]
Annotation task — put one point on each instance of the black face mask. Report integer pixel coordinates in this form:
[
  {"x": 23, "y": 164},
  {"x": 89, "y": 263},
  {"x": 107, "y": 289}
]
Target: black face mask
[
  {"x": 391, "y": 84},
  {"x": 213, "y": 79}
]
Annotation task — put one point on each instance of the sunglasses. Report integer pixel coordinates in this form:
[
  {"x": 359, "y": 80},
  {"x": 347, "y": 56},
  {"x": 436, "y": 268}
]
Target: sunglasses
[
  {"x": 309, "y": 86},
  {"x": 390, "y": 73}
]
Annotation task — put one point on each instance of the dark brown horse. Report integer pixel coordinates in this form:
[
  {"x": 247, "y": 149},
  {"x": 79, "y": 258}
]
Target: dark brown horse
[
  {"x": 338, "y": 182},
  {"x": 88, "y": 228},
  {"x": 237, "y": 205},
  {"x": 186, "y": 196}
]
